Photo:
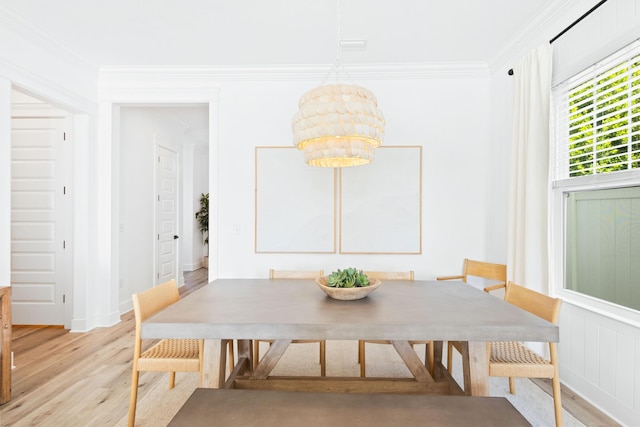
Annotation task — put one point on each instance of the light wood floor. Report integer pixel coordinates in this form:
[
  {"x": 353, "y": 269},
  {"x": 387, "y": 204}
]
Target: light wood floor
[
  {"x": 83, "y": 379},
  {"x": 77, "y": 379}
]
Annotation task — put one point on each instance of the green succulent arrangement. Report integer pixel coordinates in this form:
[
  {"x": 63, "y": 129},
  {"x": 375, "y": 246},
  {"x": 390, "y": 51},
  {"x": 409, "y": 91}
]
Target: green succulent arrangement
[{"x": 348, "y": 278}]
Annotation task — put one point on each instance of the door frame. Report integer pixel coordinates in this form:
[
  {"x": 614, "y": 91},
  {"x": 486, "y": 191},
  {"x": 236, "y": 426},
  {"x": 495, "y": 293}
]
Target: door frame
[
  {"x": 81, "y": 309},
  {"x": 161, "y": 90}
]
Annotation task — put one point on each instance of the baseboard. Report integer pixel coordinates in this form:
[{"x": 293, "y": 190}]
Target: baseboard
[{"x": 193, "y": 267}]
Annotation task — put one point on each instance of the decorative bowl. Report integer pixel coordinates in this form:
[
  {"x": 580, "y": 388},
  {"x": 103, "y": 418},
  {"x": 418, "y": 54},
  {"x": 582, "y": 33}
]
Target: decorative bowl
[{"x": 346, "y": 294}]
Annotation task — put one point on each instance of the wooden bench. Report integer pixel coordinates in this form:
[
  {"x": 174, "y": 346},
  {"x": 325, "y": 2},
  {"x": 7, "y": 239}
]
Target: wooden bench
[{"x": 264, "y": 408}]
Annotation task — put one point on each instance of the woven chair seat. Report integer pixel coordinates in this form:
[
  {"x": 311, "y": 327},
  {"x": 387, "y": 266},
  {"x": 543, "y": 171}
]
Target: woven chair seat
[
  {"x": 514, "y": 359},
  {"x": 180, "y": 355},
  {"x": 167, "y": 355},
  {"x": 510, "y": 358}
]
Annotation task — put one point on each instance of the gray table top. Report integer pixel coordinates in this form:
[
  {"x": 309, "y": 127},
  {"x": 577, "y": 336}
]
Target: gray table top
[{"x": 282, "y": 309}]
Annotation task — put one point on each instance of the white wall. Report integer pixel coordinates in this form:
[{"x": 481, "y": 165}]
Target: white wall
[
  {"x": 445, "y": 112},
  {"x": 188, "y": 208},
  {"x": 195, "y": 166},
  {"x": 599, "y": 356},
  {"x": 600, "y": 359},
  {"x": 40, "y": 65},
  {"x": 447, "y": 116},
  {"x": 200, "y": 184},
  {"x": 5, "y": 182}
]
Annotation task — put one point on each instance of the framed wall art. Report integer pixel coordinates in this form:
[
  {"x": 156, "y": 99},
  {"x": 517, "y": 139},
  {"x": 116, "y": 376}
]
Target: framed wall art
[
  {"x": 381, "y": 203},
  {"x": 295, "y": 204}
]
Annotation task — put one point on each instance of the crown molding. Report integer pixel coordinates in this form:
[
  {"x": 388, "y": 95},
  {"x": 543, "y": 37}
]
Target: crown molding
[
  {"x": 540, "y": 28},
  {"x": 41, "y": 87},
  {"x": 190, "y": 76},
  {"x": 187, "y": 84},
  {"x": 32, "y": 34}
]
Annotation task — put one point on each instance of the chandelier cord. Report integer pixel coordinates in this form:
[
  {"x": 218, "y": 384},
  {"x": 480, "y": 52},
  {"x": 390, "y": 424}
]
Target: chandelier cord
[
  {"x": 338, "y": 49},
  {"x": 337, "y": 66}
]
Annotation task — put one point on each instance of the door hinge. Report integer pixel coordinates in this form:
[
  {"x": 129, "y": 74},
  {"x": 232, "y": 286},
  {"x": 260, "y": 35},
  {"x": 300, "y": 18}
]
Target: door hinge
[
  {"x": 158, "y": 237},
  {"x": 64, "y": 136},
  {"x": 64, "y": 244},
  {"x": 158, "y": 275},
  {"x": 64, "y": 190},
  {"x": 158, "y": 197},
  {"x": 64, "y": 298}
]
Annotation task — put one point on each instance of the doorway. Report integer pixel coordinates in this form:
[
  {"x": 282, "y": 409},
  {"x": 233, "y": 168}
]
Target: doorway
[{"x": 160, "y": 171}]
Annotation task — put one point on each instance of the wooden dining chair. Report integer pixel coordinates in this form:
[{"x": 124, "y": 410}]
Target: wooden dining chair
[
  {"x": 514, "y": 359},
  {"x": 167, "y": 355},
  {"x": 429, "y": 351},
  {"x": 295, "y": 274},
  {"x": 474, "y": 270}
]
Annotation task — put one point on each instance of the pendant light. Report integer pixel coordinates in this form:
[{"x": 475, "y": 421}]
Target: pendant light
[{"x": 338, "y": 125}]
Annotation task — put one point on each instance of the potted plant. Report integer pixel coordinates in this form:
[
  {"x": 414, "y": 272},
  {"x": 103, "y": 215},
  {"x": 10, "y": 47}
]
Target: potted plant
[
  {"x": 202, "y": 216},
  {"x": 348, "y": 278},
  {"x": 347, "y": 284}
]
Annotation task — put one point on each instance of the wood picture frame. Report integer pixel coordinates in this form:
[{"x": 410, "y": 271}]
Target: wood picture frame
[
  {"x": 381, "y": 203},
  {"x": 295, "y": 204}
]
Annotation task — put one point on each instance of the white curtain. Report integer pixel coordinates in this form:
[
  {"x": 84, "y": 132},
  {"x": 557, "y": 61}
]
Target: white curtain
[{"x": 527, "y": 260}]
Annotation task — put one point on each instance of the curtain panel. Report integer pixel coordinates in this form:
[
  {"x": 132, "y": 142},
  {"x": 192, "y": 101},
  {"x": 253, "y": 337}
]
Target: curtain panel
[{"x": 527, "y": 256}]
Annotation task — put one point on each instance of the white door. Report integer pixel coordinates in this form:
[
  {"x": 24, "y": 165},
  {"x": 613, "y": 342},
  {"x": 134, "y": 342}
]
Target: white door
[
  {"x": 166, "y": 214},
  {"x": 39, "y": 247}
]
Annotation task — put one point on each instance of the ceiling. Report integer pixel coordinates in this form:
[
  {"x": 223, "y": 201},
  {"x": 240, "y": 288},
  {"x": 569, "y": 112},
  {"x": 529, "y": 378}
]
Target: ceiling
[
  {"x": 277, "y": 32},
  {"x": 249, "y": 33}
]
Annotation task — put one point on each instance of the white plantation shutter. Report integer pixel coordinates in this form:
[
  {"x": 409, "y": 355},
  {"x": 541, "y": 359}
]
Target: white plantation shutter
[{"x": 596, "y": 118}]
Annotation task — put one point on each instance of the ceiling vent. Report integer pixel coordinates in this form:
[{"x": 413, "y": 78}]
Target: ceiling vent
[{"x": 353, "y": 45}]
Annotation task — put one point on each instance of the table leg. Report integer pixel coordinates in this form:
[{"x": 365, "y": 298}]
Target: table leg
[
  {"x": 270, "y": 359},
  {"x": 214, "y": 360},
  {"x": 437, "y": 360},
  {"x": 413, "y": 362},
  {"x": 245, "y": 349},
  {"x": 478, "y": 368}
]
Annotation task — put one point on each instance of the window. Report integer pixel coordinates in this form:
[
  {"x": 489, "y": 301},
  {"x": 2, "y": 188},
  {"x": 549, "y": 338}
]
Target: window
[
  {"x": 596, "y": 179},
  {"x": 603, "y": 244},
  {"x": 598, "y": 118}
]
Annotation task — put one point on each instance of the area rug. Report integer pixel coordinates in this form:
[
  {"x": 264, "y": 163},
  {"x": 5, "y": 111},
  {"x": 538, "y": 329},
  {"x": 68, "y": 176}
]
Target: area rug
[{"x": 158, "y": 406}]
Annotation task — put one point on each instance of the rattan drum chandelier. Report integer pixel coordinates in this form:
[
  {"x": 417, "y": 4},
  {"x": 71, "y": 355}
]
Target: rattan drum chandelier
[{"x": 338, "y": 125}]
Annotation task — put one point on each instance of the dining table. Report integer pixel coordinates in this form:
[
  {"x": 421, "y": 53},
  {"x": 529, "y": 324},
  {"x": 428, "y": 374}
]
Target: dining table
[{"x": 282, "y": 310}]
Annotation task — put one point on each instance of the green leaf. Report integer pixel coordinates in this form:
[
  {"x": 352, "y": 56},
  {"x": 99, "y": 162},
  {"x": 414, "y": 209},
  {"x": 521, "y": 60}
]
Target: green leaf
[{"x": 348, "y": 278}]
